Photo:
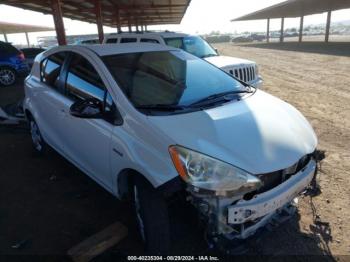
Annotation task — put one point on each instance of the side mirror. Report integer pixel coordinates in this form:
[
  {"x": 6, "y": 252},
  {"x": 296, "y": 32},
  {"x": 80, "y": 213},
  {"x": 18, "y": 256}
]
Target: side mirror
[
  {"x": 90, "y": 108},
  {"x": 217, "y": 51}
]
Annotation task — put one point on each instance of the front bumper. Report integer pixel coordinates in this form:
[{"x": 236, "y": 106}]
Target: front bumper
[
  {"x": 268, "y": 202},
  {"x": 239, "y": 219}
]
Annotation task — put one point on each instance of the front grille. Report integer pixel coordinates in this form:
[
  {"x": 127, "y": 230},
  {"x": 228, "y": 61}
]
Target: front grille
[
  {"x": 245, "y": 74},
  {"x": 273, "y": 179}
]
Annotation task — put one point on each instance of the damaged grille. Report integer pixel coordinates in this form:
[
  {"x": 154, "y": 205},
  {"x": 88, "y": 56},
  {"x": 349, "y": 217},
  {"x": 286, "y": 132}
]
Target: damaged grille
[
  {"x": 245, "y": 74},
  {"x": 273, "y": 179}
]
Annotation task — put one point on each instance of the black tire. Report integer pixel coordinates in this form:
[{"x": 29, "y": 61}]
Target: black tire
[
  {"x": 8, "y": 76},
  {"x": 150, "y": 206},
  {"x": 38, "y": 142}
]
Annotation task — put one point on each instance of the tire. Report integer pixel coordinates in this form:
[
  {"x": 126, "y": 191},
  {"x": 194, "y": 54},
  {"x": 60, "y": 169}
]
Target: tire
[
  {"x": 151, "y": 213},
  {"x": 7, "y": 76},
  {"x": 38, "y": 141}
]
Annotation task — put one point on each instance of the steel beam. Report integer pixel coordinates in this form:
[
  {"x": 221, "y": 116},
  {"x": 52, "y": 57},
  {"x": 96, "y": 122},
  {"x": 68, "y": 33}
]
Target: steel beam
[
  {"x": 98, "y": 13},
  {"x": 5, "y": 37},
  {"x": 328, "y": 25},
  {"x": 282, "y": 30},
  {"x": 268, "y": 30},
  {"x": 301, "y": 28},
  {"x": 58, "y": 20},
  {"x": 27, "y": 38}
]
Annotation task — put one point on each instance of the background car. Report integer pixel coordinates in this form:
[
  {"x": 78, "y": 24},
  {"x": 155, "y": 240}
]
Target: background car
[
  {"x": 12, "y": 64},
  {"x": 31, "y": 53},
  {"x": 243, "y": 69}
]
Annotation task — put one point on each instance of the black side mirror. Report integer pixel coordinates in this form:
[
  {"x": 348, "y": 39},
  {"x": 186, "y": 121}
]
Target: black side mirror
[
  {"x": 217, "y": 51},
  {"x": 90, "y": 108}
]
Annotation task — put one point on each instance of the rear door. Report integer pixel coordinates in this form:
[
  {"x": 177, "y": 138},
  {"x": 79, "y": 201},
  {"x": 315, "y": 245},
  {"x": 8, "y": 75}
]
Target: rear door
[{"x": 87, "y": 141}]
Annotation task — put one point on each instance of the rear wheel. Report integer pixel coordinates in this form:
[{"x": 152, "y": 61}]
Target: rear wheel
[
  {"x": 152, "y": 218},
  {"x": 7, "y": 76}
]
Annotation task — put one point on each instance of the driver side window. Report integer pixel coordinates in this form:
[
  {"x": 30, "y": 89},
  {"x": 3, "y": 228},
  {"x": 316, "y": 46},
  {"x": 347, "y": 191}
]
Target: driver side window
[{"x": 83, "y": 81}]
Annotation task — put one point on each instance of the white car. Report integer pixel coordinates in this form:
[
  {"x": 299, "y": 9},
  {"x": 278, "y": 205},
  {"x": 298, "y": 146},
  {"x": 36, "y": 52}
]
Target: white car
[
  {"x": 147, "y": 120},
  {"x": 242, "y": 69}
]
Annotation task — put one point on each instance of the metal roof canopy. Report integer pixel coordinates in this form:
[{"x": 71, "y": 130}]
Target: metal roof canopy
[
  {"x": 113, "y": 12},
  {"x": 296, "y": 8},
  {"x": 12, "y": 28}
]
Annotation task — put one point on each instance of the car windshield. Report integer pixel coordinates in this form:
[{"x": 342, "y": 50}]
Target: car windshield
[
  {"x": 168, "y": 78},
  {"x": 194, "y": 45}
]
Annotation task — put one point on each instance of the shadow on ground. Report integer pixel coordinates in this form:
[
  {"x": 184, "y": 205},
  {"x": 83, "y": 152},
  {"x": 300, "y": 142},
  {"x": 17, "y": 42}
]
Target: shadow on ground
[{"x": 338, "y": 49}]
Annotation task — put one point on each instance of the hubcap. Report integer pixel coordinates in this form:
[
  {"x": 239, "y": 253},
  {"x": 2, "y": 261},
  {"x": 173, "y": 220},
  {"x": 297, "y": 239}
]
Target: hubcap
[
  {"x": 138, "y": 214},
  {"x": 7, "y": 77},
  {"x": 36, "y": 136}
]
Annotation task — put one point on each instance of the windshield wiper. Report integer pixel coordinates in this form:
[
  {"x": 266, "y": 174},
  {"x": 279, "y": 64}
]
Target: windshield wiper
[
  {"x": 224, "y": 96},
  {"x": 161, "y": 107},
  {"x": 208, "y": 55}
]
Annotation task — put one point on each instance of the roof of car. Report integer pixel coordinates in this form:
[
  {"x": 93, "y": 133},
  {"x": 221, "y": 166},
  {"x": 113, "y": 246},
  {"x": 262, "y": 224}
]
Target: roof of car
[
  {"x": 110, "y": 49},
  {"x": 165, "y": 34}
]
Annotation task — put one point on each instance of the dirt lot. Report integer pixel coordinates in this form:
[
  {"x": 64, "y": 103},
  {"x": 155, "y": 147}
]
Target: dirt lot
[{"x": 51, "y": 206}]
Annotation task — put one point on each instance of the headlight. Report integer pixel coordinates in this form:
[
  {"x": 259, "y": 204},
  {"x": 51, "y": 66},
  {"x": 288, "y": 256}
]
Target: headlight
[{"x": 205, "y": 172}]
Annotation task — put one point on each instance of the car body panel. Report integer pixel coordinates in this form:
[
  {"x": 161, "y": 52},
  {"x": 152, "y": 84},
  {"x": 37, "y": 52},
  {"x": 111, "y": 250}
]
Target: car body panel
[{"x": 248, "y": 134}]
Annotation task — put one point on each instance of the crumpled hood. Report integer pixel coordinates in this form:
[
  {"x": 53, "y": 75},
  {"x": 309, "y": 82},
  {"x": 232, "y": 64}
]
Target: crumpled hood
[
  {"x": 227, "y": 61},
  {"x": 259, "y": 134}
]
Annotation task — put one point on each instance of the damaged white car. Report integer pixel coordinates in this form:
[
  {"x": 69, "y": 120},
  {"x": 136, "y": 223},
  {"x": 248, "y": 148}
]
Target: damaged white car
[{"x": 146, "y": 121}]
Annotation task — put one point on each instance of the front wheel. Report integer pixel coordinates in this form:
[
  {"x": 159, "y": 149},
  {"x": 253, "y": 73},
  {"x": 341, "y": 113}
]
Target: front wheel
[
  {"x": 38, "y": 142},
  {"x": 152, "y": 218},
  {"x": 7, "y": 76}
]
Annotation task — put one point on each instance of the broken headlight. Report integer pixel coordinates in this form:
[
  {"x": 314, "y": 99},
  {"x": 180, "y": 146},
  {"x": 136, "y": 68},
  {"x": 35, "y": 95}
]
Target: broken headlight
[{"x": 205, "y": 172}]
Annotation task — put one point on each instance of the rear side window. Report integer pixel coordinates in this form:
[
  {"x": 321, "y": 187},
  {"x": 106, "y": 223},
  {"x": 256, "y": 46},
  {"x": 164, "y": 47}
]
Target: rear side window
[
  {"x": 147, "y": 40},
  {"x": 112, "y": 40},
  {"x": 83, "y": 81},
  {"x": 128, "y": 40},
  {"x": 174, "y": 42},
  {"x": 8, "y": 49},
  {"x": 51, "y": 68}
]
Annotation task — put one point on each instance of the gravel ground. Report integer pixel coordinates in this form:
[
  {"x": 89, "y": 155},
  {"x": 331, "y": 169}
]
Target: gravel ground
[{"x": 50, "y": 206}]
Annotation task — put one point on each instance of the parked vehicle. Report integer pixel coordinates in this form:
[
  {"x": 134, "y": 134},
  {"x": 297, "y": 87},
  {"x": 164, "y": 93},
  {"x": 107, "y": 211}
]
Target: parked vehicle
[
  {"x": 31, "y": 53},
  {"x": 243, "y": 69},
  {"x": 12, "y": 64},
  {"x": 146, "y": 121}
]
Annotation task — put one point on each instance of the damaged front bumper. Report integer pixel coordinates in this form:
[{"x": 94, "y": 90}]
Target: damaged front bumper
[{"x": 239, "y": 218}]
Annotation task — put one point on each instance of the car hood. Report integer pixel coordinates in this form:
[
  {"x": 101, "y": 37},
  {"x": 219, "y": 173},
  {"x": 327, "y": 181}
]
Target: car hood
[
  {"x": 227, "y": 61},
  {"x": 259, "y": 134}
]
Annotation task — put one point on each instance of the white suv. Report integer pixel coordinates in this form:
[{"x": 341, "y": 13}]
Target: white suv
[
  {"x": 147, "y": 121},
  {"x": 242, "y": 69}
]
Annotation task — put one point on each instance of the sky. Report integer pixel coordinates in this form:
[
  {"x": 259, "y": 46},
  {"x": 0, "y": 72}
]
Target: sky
[{"x": 202, "y": 17}]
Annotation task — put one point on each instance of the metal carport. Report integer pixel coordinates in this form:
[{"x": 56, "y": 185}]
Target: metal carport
[
  {"x": 13, "y": 28},
  {"x": 113, "y": 13},
  {"x": 297, "y": 8}
]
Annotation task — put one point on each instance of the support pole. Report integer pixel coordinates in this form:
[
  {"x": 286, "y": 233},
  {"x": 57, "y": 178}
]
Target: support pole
[
  {"x": 5, "y": 37},
  {"x": 98, "y": 12},
  {"x": 58, "y": 20},
  {"x": 282, "y": 30},
  {"x": 27, "y": 37},
  {"x": 328, "y": 26},
  {"x": 268, "y": 31},
  {"x": 146, "y": 28},
  {"x": 301, "y": 29},
  {"x": 118, "y": 21},
  {"x": 129, "y": 25}
]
